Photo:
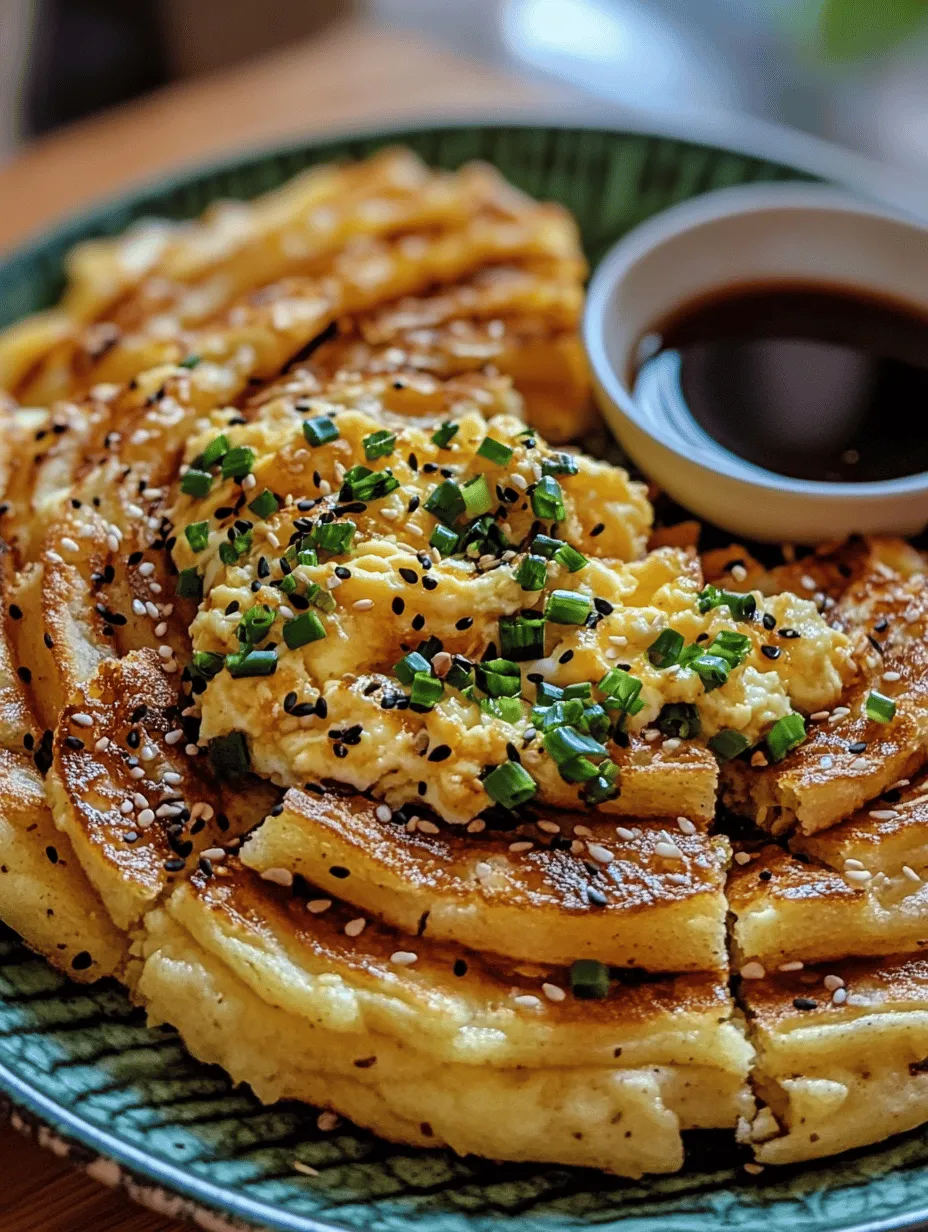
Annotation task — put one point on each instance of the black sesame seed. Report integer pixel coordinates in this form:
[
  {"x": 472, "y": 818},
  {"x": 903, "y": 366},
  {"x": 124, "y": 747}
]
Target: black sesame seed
[
  {"x": 566, "y": 656},
  {"x": 769, "y": 621},
  {"x": 805, "y": 1003},
  {"x": 174, "y": 865},
  {"x": 52, "y": 854},
  {"x": 413, "y": 504},
  {"x": 464, "y": 623},
  {"x": 410, "y": 576},
  {"x": 881, "y": 625},
  {"x": 766, "y": 875},
  {"x": 418, "y": 622},
  {"x": 289, "y": 702},
  {"x": 858, "y": 746},
  {"x": 603, "y": 607},
  {"x": 205, "y": 866},
  {"x": 398, "y": 605},
  {"x": 787, "y": 633},
  {"x": 460, "y": 967},
  {"x": 74, "y": 742},
  {"x": 430, "y": 583},
  {"x": 596, "y": 897},
  {"x": 322, "y": 707},
  {"x": 342, "y": 572},
  {"x": 441, "y": 752},
  {"x": 16, "y": 611},
  {"x": 597, "y": 529},
  {"x": 49, "y": 641},
  {"x": 771, "y": 652},
  {"x": 264, "y": 569},
  {"x": 339, "y": 872},
  {"x": 24, "y": 674}
]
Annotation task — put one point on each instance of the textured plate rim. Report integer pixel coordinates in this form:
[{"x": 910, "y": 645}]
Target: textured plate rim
[{"x": 746, "y": 136}]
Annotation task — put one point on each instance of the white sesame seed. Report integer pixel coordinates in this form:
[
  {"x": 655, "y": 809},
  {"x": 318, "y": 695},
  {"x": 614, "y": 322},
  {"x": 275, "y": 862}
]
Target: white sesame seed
[
  {"x": 140, "y": 800},
  {"x": 910, "y": 873},
  {"x": 859, "y": 763},
  {"x": 383, "y": 812},
  {"x": 169, "y": 810},
  {"x": 678, "y": 878},
  {"x": 794, "y": 965},
  {"x": 126, "y": 807},
  {"x": 316, "y": 906},
  {"x": 354, "y": 928},
  {"x": 549, "y": 827},
  {"x": 146, "y": 568},
  {"x": 174, "y": 737},
  {"x": 671, "y": 744},
  {"x": 819, "y": 716},
  {"x": 147, "y": 817},
  {"x": 427, "y": 827},
  {"x": 272, "y": 539},
  {"x": 883, "y": 814},
  {"x": 518, "y": 848},
  {"x": 172, "y": 778},
  {"x": 686, "y": 826},
  {"x": 403, "y": 958},
  {"x": 752, "y": 971},
  {"x": 827, "y": 762},
  {"x": 152, "y": 610},
  {"x": 528, "y": 1001},
  {"x": 137, "y": 772},
  {"x": 669, "y": 850},
  {"x": 602, "y": 855},
  {"x": 363, "y": 605},
  {"x": 891, "y": 676},
  {"x": 213, "y": 853},
  {"x": 81, "y": 719},
  {"x": 332, "y": 582},
  {"x": 138, "y": 607},
  {"x": 192, "y": 750},
  {"x": 625, "y": 833},
  {"x": 553, "y": 993},
  {"x": 54, "y": 558},
  {"x": 112, "y": 543},
  {"x": 279, "y": 876},
  {"x": 742, "y": 857},
  {"x": 69, "y": 544},
  {"x": 739, "y": 573},
  {"x": 482, "y": 870},
  {"x": 583, "y": 831},
  {"x": 165, "y": 652},
  {"x": 832, "y": 982},
  {"x": 839, "y": 996},
  {"x": 477, "y": 826},
  {"x": 286, "y": 612},
  {"x": 249, "y": 482},
  {"x": 326, "y": 1121},
  {"x": 858, "y": 875},
  {"x": 807, "y": 582},
  {"x": 850, "y": 862},
  {"x": 304, "y": 1169},
  {"x": 102, "y": 744},
  {"x": 148, "y": 753}
]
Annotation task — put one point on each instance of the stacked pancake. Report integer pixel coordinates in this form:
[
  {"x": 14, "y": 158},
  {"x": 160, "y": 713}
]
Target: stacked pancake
[{"x": 353, "y": 727}]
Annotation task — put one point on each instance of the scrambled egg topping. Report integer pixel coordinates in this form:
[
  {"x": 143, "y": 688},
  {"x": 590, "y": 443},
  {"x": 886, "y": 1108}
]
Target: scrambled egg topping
[{"x": 324, "y": 589}]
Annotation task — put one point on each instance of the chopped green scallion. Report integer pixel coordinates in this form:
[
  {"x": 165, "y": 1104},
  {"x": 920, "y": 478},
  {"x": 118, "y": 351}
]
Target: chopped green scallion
[
  {"x": 548, "y": 500},
  {"x": 589, "y": 980},
  {"x": 443, "y": 538},
  {"x": 728, "y": 744},
  {"x": 443, "y": 436},
  {"x": 786, "y": 734},
  {"x": 532, "y": 573},
  {"x": 880, "y": 708},
  {"x": 568, "y": 607},
  {"x": 560, "y": 464},
  {"x": 214, "y": 452},
  {"x": 320, "y": 430},
  {"x": 426, "y": 691},
  {"x": 265, "y": 505},
  {"x": 570, "y": 558},
  {"x": 741, "y": 606},
  {"x": 379, "y": 444},
  {"x": 522, "y": 637},
  {"x": 478, "y": 498},
  {"x": 190, "y": 584},
  {"x": 510, "y": 785},
  {"x": 229, "y": 755},
  {"x": 410, "y": 664},
  {"x": 256, "y": 624},
  {"x": 196, "y": 483},
  {"x": 334, "y": 537},
  {"x": 509, "y": 709},
  {"x": 664, "y": 651},
  {"x": 206, "y": 664},
  {"x": 446, "y": 502},
  {"x": 679, "y": 720},
  {"x": 238, "y": 462},
  {"x": 495, "y": 452},
  {"x": 303, "y": 629},
  {"x": 544, "y": 545},
  {"x": 252, "y": 663},
  {"x": 197, "y": 534}
]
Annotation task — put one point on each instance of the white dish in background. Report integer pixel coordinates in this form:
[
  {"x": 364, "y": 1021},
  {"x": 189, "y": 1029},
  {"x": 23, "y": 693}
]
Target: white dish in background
[{"x": 764, "y": 233}]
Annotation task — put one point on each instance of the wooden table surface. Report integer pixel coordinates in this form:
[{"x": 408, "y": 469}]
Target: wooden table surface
[{"x": 353, "y": 75}]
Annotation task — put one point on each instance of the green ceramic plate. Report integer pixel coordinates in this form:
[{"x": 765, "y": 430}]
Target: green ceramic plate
[{"x": 79, "y": 1067}]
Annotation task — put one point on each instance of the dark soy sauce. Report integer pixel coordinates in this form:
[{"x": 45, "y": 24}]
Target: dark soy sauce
[{"x": 811, "y": 381}]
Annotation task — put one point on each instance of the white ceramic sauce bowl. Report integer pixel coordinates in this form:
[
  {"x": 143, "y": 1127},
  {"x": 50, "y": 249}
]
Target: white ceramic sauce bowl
[{"x": 761, "y": 234}]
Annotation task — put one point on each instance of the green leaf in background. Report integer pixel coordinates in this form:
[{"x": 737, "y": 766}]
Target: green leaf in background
[{"x": 854, "y": 29}]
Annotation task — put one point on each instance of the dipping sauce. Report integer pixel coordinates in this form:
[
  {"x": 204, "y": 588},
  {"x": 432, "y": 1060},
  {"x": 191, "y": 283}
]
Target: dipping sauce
[{"x": 810, "y": 381}]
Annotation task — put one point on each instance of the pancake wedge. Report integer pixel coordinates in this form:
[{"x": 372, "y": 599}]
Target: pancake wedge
[
  {"x": 657, "y": 903},
  {"x": 841, "y": 1056},
  {"x": 428, "y": 1047}
]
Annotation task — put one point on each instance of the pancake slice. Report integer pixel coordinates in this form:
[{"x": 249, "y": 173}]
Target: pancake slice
[
  {"x": 842, "y": 1056},
  {"x": 424, "y": 1050},
  {"x": 643, "y": 895}
]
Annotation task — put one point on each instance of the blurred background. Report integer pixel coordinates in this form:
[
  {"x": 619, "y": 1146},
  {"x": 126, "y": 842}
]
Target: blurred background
[{"x": 852, "y": 71}]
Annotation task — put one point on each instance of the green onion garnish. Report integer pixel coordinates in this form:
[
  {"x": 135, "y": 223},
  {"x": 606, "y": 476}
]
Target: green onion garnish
[
  {"x": 559, "y": 713},
  {"x": 589, "y": 980},
  {"x": 308, "y": 557},
  {"x": 728, "y": 743},
  {"x": 548, "y": 500},
  {"x": 446, "y": 502},
  {"x": 565, "y": 743},
  {"x": 595, "y": 722},
  {"x": 532, "y": 573},
  {"x": 477, "y": 496},
  {"x": 229, "y": 754},
  {"x": 546, "y": 693},
  {"x": 443, "y": 436},
  {"x": 379, "y": 444},
  {"x": 786, "y": 734},
  {"x": 579, "y": 770},
  {"x": 197, "y": 534},
  {"x": 741, "y": 606},
  {"x": 679, "y": 719},
  {"x": 621, "y": 690},
  {"x": 303, "y": 629},
  {"x": 570, "y": 558},
  {"x": 252, "y": 663},
  {"x": 361, "y": 483},
  {"x": 460, "y": 674},
  {"x": 231, "y": 552},
  {"x": 509, "y": 709},
  {"x": 237, "y": 463},
  {"x": 510, "y": 785},
  {"x": 287, "y": 584},
  {"x": 544, "y": 545},
  {"x": 334, "y": 537},
  {"x": 732, "y": 646},
  {"x": 443, "y": 538},
  {"x": 568, "y": 607},
  {"x": 712, "y": 670},
  {"x": 664, "y": 651},
  {"x": 265, "y": 505},
  {"x": 605, "y": 786},
  {"x": 425, "y": 691},
  {"x": 190, "y": 362},
  {"x": 522, "y": 637},
  {"x": 559, "y": 464},
  {"x": 495, "y": 452},
  {"x": 206, "y": 664},
  {"x": 410, "y": 664},
  {"x": 499, "y": 677},
  {"x": 190, "y": 584},
  {"x": 196, "y": 483},
  {"x": 256, "y": 624},
  {"x": 583, "y": 690},
  {"x": 320, "y": 597},
  {"x": 880, "y": 708},
  {"x": 214, "y": 452},
  {"x": 320, "y": 431}
]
